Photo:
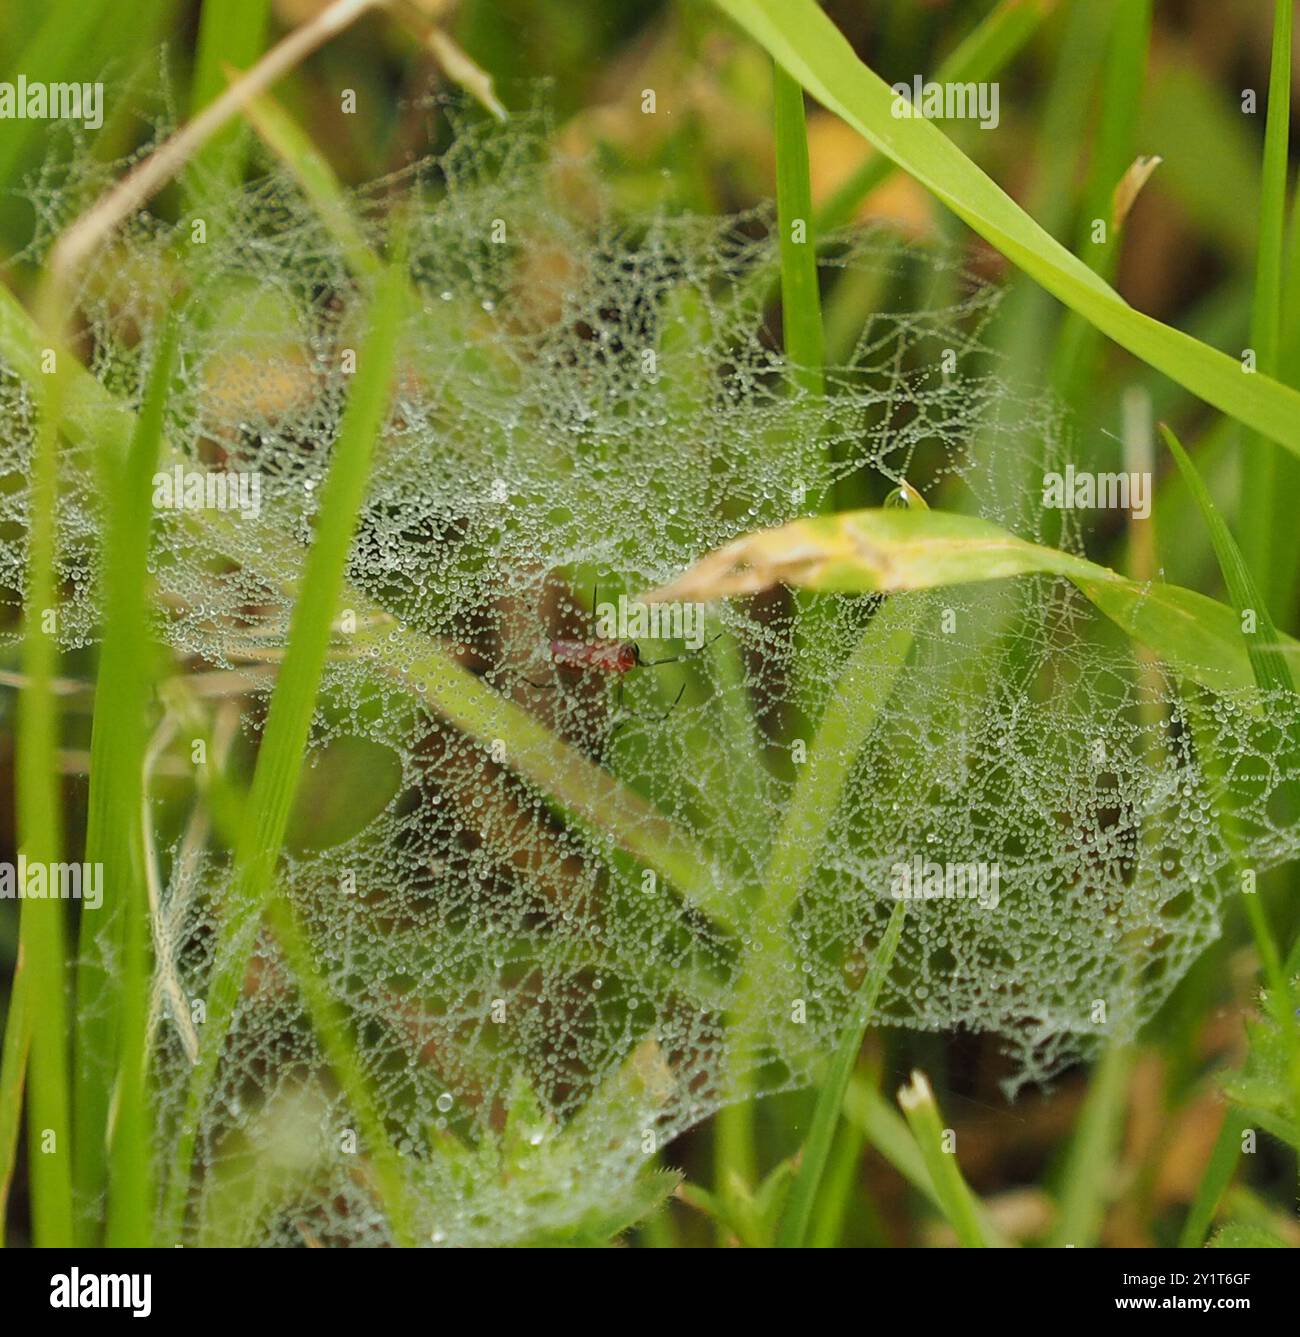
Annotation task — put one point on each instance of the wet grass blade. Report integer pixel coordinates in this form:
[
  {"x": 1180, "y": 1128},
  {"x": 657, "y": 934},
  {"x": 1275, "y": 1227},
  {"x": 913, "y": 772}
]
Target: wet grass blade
[
  {"x": 277, "y": 772},
  {"x": 793, "y": 1233},
  {"x": 114, "y": 836},
  {"x": 802, "y": 38}
]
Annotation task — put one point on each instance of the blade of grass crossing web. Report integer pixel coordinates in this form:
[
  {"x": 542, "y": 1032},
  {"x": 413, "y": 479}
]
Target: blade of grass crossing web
[
  {"x": 279, "y": 764},
  {"x": 793, "y": 1233},
  {"x": 114, "y": 833},
  {"x": 801, "y": 316},
  {"x": 231, "y": 33},
  {"x": 1272, "y": 674},
  {"x": 1269, "y": 665},
  {"x": 804, "y": 40},
  {"x": 1261, "y": 507},
  {"x": 113, "y": 972},
  {"x": 985, "y": 52},
  {"x": 311, "y": 169},
  {"x": 41, "y": 922}
]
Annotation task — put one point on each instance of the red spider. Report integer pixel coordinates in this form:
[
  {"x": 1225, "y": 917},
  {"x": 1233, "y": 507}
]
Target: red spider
[{"x": 609, "y": 656}]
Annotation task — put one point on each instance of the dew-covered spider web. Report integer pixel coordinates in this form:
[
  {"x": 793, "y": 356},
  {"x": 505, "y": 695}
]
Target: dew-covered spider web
[{"x": 532, "y": 892}]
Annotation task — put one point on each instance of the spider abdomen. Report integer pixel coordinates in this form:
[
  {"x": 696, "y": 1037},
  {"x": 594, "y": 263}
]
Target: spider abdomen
[{"x": 600, "y": 656}]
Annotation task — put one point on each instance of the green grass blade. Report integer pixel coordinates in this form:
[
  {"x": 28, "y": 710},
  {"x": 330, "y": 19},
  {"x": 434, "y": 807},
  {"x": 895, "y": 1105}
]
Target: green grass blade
[
  {"x": 56, "y": 52},
  {"x": 1214, "y": 1182},
  {"x": 13, "y": 1071},
  {"x": 959, "y": 1204},
  {"x": 793, "y": 1233},
  {"x": 1260, "y": 468},
  {"x": 1272, "y": 674},
  {"x": 804, "y": 40},
  {"x": 839, "y": 1182},
  {"x": 800, "y": 297},
  {"x": 41, "y": 922},
  {"x": 887, "y": 1132},
  {"x": 985, "y": 52},
  {"x": 1090, "y": 1164},
  {"x": 1120, "y": 101},
  {"x": 114, "y": 833},
  {"x": 1269, "y": 665},
  {"x": 279, "y": 763},
  {"x": 854, "y": 705},
  {"x": 313, "y": 173},
  {"x": 231, "y": 33}
]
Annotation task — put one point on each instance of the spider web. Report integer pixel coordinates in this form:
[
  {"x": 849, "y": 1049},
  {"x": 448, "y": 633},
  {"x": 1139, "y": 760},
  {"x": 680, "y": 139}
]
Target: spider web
[{"x": 586, "y": 399}]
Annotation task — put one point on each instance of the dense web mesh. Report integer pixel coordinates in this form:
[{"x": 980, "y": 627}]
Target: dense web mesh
[{"x": 533, "y": 887}]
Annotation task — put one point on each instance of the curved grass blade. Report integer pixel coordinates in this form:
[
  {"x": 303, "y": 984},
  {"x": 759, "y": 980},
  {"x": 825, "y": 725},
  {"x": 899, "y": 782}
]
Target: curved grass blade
[
  {"x": 802, "y": 38},
  {"x": 989, "y": 48},
  {"x": 888, "y": 551}
]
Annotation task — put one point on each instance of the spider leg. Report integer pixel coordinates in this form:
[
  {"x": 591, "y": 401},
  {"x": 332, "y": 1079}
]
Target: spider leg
[
  {"x": 677, "y": 659},
  {"x": 625, "y": 715},
  {"x": 680, "y": 692}
]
